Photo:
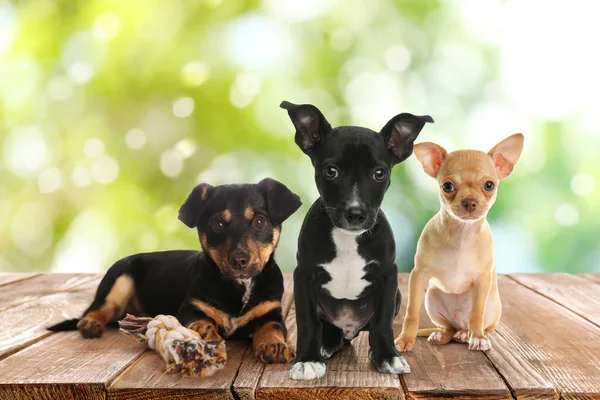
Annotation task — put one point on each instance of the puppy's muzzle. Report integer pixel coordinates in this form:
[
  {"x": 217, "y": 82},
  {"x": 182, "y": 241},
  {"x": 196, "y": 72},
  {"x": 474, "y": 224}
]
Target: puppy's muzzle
[
  {"x": 238, "y": 259},
  {"x": 469, "y": 204},
  {"x": 355, "y": 216}
]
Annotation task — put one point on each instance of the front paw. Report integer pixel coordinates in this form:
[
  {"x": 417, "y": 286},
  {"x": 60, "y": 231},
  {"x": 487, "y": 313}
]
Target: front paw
[
  {"x": 90, "y": 328},
  {"x": 405, "y": 342},
  {"x": 305, "y": 371},
  {"x": 479, "y": 343},
  {"x": 391, "y": 365},
  {"x": 274, "y": 353}
]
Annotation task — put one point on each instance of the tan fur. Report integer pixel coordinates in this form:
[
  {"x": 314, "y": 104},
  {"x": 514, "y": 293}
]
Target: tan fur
[
  {"x": 455, "y": 271},
  {"x": 248, "y": 214},
  {"x": 116, "y": 301},
  {"x": 269, "y": 345},
  {"x": 206, "y": 329},
  {"x": 204, "y": 192},
  {"x": 226, "y": 215},
  {"x": 230, "y": 324}
]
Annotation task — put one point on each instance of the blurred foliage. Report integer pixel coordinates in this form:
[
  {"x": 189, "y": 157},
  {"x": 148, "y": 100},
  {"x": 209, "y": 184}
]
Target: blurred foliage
[{"x": 111, "y": 111}]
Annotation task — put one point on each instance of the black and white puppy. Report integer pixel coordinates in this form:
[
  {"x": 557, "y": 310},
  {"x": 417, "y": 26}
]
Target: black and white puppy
[{"x": 346, "y": 280}]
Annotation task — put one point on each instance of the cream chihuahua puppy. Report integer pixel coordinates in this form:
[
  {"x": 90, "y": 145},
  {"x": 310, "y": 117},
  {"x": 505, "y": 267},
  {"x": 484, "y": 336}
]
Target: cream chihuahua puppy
[{"x": 454, "y": 268}]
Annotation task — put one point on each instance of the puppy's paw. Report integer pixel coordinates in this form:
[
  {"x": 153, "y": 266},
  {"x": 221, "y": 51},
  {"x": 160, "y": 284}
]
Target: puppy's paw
[
  {"x": 461, "y": 337},
  {"x": 479, "y": 343},
  {"x": 305, "y": 371},
  {"x": 90, "y": 328},
  {"x": 394, "y": 365},
  {"x": 404, "y": 343},
  {"x": 274, "y": 353},
  {"x": 206, "y": 330},
  {"x": 440, "y": 338}
]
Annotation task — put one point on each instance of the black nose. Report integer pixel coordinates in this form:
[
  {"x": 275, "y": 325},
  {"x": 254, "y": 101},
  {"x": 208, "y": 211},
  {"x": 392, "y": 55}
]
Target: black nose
[
  {"x": 355, "y": 215},
  {"x": 469, "y": 204},
  {"x": 238, "y": 259}
]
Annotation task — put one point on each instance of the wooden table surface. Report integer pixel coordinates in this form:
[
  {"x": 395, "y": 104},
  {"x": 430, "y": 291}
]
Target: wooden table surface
[{"x": 547, "y": 346}]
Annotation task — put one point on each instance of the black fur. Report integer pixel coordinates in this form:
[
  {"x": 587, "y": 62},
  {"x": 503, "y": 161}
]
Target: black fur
[
  {"x": 350, "y": 200},
  {"x": 166, "y": 282}
]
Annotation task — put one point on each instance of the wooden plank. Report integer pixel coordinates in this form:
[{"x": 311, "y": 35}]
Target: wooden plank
[
  {"x": 38, "y": 286},
  {"x": 592, "y": 277},
  {"x": 574, "y": 292},
  {"x": 251, "y": 369},
  {"x": 446, "y": 371},
  {"x": 9, "y": 277},
  {"x": 350, "y": 375},
  {"x": 67, "y": 366},
  {"x": 146, "y": 379},
  {"x": 26, "y": 323},
  {"x": 540, "y": 342}
]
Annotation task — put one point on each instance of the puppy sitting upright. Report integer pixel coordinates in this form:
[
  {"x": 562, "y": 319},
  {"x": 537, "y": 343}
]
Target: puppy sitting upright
[
  {"x": 232, "y": 290},
  {"x": 346, "y": 279},
  {"x": 455, "y": 254}
]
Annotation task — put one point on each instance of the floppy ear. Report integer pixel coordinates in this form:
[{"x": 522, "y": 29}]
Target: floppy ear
[
  {"x": 400, "y": 133},
  {"x": 281, "y": 202},
  {"x": 506, "y": 154},
  {"x": 311, "y": 125},
  {"x": 431, "y": 156},
  {"x": 190, "y": 211}
]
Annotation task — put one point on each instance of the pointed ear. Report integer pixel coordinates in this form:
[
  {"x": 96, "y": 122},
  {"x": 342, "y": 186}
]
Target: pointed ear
[
  {"x": 190, "y": 211},
  {"x": 506, "y": 154},
  {"x": 281, "y": 202},
  {"x": 311, "y": 125},
  {"x": 431, "y": 156},
  {"x": 400, "y": 133}
]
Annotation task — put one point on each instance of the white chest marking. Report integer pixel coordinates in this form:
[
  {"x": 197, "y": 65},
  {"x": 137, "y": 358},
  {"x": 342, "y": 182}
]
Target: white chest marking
[
  {"x": 346, "y": 269},
  {"x": 248, "y": 285}
]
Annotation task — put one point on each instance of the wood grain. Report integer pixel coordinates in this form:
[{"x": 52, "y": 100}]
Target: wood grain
[
  {"x": 251, "y": 369},
  {"x": 592, "y": 277},
  {"x": 446, "y": 371},
  {"x": 574, "y": 292},
  {"x": 146, "y": 379},
  {"x": 9, "y": 277},
  {"x": 68, "y": 364},
  {"x": 26, "y": 323},
  {"x": 35, "y": 287},
  {"x": 542, "y": 349}
]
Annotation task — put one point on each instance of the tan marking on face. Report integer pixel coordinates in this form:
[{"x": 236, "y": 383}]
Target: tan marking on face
[
  {"x": 248, "y": 214},
  {"x": 226, "y": 215},
  {"x": 204, "y": 193}
]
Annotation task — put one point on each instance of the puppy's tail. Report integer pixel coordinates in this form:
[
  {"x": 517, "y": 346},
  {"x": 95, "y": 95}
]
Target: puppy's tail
[
  {"x": 68, "y": 325},
  {"x": 428, "y": 331}
]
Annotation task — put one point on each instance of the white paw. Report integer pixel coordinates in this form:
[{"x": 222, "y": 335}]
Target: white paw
[
  {"x": 436, "y": 338},
  {"x": 460, "y": 336},
  {"x": 479, "y": 344},
  {"x": 325, "y": 353},
  {"x": 395, "y": 365},
  {"x": 305, "y": 371}
]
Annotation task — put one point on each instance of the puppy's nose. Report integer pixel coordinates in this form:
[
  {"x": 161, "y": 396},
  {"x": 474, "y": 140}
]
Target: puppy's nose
[
  {"x": 469, "y": 204},
  {"x": 238, "y": 259},
  {"x": 355, "y": 215}
]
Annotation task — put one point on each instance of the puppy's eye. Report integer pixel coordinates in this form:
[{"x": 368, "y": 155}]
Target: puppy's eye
[
  {"x": 489, "y": 186},
  {"x": 448, "y": 187},
  {"x": 331, "y": 172},
  {"x": 379, "y": 174},
  {"x": 217, "y": 224},
  {"x": 259, "y": 222}
]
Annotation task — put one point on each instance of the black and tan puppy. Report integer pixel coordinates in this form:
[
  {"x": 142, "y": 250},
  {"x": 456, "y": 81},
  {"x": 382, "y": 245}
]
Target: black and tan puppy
[
  {"x": 231, "y": 290},
  {"x": 346, "y": 279}
]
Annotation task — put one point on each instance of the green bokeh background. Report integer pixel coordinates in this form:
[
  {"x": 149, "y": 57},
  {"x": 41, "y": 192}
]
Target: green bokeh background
[{"x": 111, "y": 111}]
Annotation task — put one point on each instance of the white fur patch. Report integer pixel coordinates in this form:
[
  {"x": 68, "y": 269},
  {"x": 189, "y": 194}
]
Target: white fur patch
[
  {"x": 460, "y": 336},
  {"x": 479, "y": 344},
  {"x": 346, "y": 269},
  {"x": 305, "y": 371},
  {"x": 436, "y": 337},
  {"x": 354, "y": 199},
  {"x": 396, "y": 365},
  {"x": 248, "y": 283}
]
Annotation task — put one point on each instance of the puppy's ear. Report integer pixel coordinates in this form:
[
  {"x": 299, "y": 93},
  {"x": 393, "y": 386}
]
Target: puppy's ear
[
  {"x": 311, "y": 125},
  {"x": 400, "y": 133},
  {"x": 281, "y": 202},
  {"x": 431, "y": 156},
  {"x": 506, "y": 154},
  {"x": 190, "y": 211}
]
